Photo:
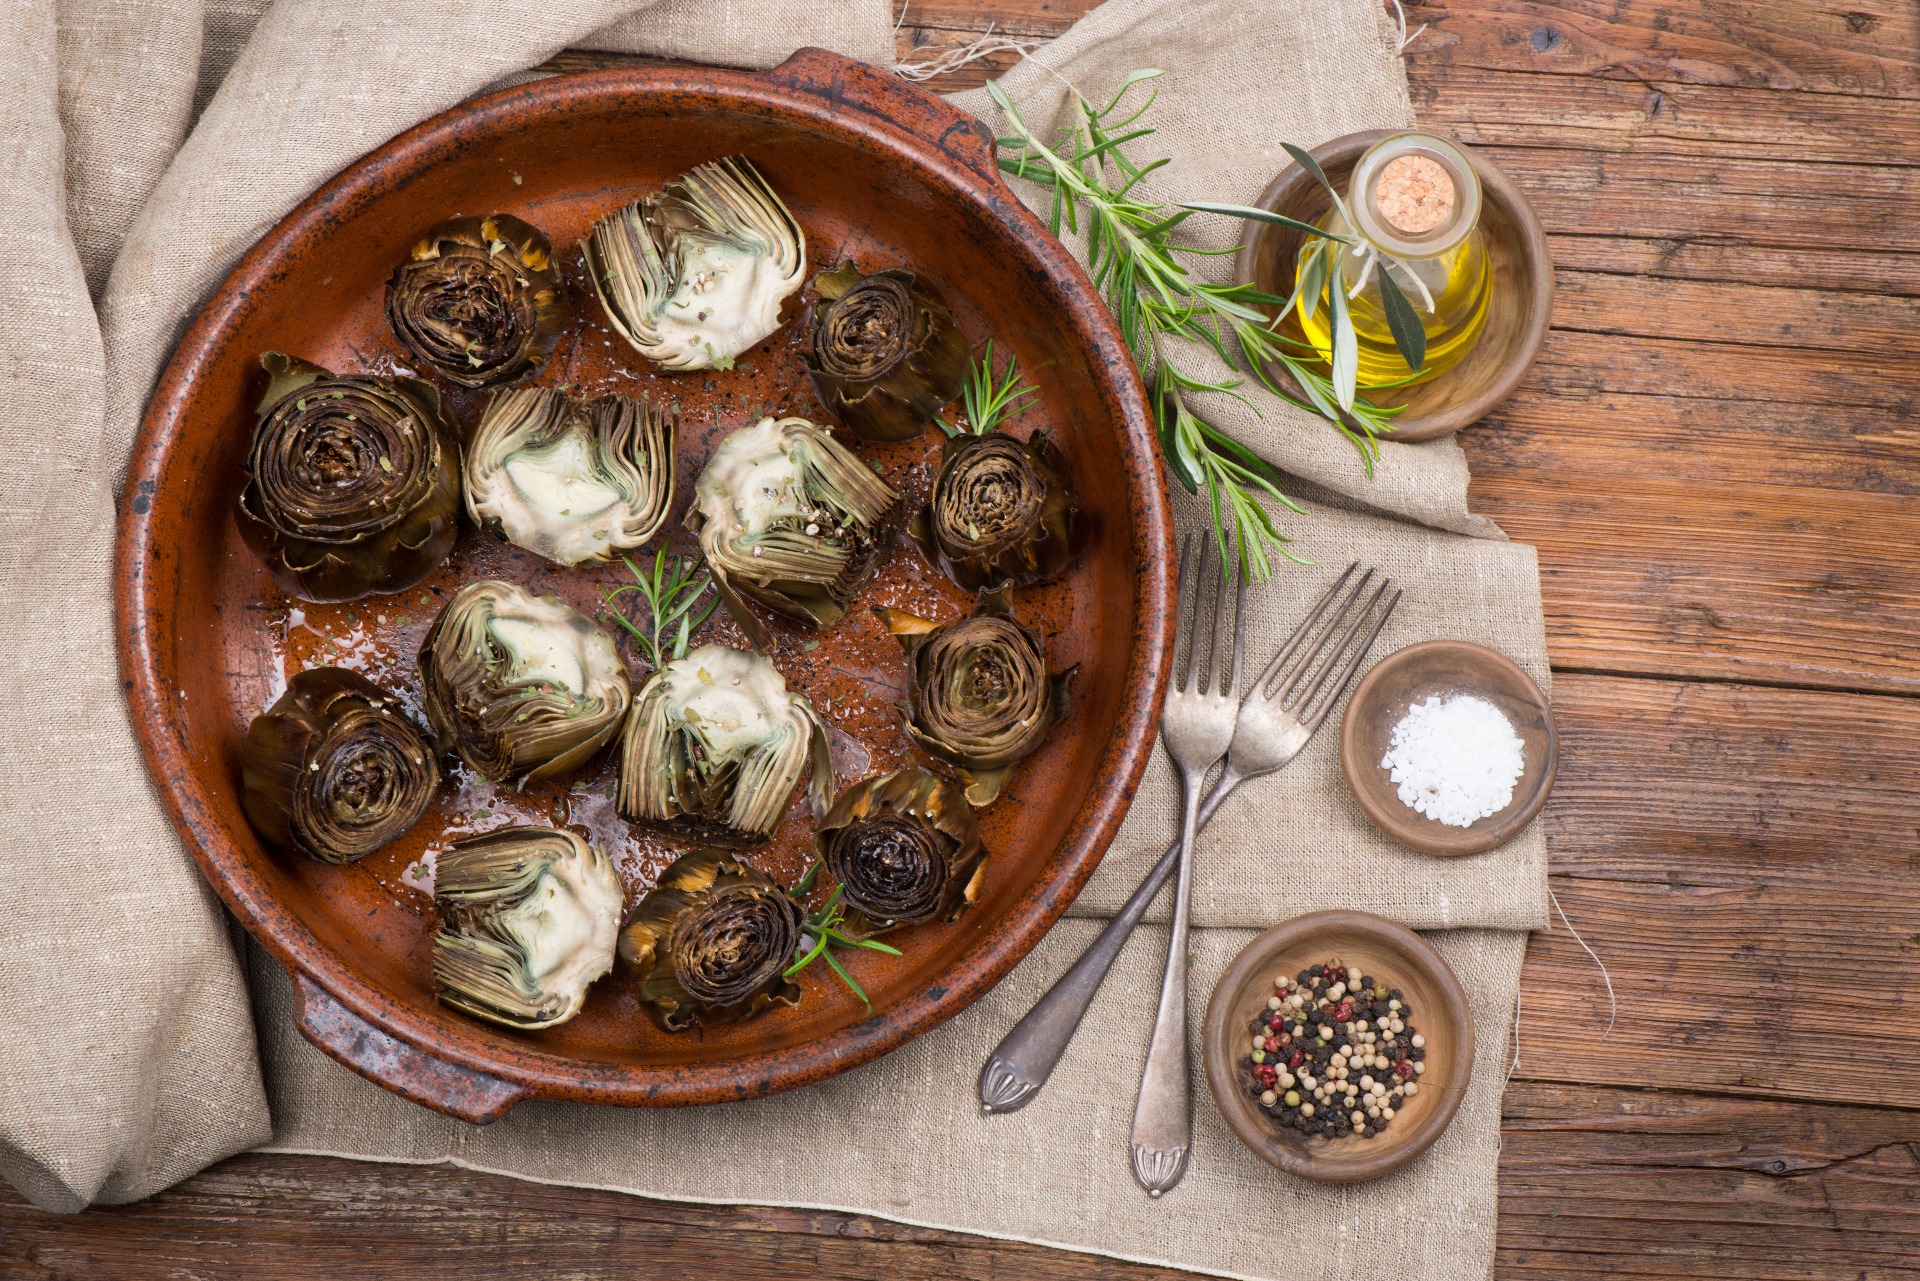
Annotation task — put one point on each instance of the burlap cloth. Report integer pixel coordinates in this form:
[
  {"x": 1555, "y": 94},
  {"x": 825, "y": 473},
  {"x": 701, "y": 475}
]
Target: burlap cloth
[{"x": 149, "y": 142}]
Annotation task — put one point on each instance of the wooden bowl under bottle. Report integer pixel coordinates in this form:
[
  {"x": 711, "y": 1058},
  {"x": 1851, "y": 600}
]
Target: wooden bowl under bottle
[{"x": 1517, "y": 319}]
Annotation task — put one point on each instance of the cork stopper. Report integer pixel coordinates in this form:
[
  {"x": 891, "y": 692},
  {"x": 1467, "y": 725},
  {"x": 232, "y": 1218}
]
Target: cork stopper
[{"x": 1414, "y": 194}]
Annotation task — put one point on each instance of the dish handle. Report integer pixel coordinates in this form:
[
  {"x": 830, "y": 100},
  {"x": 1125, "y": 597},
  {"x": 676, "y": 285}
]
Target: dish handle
[
  {"x": 345, "y": 1037},
  {"x": 887, "y": 100}
]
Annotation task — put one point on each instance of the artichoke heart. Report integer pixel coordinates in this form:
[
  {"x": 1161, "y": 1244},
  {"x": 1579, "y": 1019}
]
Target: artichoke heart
[
  {"x": 573, "y": 482},
  {"x": 788, "y": 516},
  {"x": 979, "y": 695},
  {"x": 522, "y": 687},
  {"x": 333, "y": 769},
  {"x": 712, "y": 942},
  {"x": 886, "y": 354},
  {"x": 715, "y": 747},
  {"x": 479, "y": 301},
  {"x": 1000, "y": 514},
  {"x": 353, "y": 483},
  {"x": 528, "y": 919},
  {"x": 905, "y": 849},
  {"x": 694, "y": 275}
]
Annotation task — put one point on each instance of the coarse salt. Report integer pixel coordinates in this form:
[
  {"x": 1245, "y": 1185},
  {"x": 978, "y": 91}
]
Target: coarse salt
[{"x": 1455, "y": 759}]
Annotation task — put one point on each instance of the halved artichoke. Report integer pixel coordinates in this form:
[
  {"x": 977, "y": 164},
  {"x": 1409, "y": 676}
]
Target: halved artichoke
[
  {"x": 694, "y": 275},
  {"x": 353, "y": 483},
  {"x": 715, "y": 747},
  {"x": 479, "y": 300},
  {"x": 569, "y": 480},
  {"x": 712, "y": 942},
  {"x": 886, "y": 354},
  {"x": 979, "y": 695},
  {"x": 905, "y": 849},
  {"x": 333, "y": 769},
  {"x": 522, "y": 687},
  {"x": 1001, "y": 512},
  {"x": 528, "y": 919},
  {"x": 788, "y": 516}
]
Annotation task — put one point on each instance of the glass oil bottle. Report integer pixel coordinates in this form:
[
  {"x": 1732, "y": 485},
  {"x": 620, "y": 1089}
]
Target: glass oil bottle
[{"x": 1415, "y": 201}]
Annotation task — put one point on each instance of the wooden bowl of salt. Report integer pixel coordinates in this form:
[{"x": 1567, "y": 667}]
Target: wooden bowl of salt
[{"x": 1449, "y": 718}]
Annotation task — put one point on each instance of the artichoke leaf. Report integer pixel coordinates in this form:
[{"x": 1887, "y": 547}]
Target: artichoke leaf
[
  {"x": 980, "y": 695},
  {"x": 479, "y": 301},
  {"x": 1001, "y": 512},
  {"x": 694, "y": 275},
  {"x": 711, "y": 943},
  {"x": 521, "y": 687},
  {"x": 791, "y": 519},
  {"x": 333, "y": 770},
  {"x": 886, "y": 354},
  {"x": 905, "y": 849},
  {"x": 572, "y": 481},
  {"x": 715, "y": 747},
  {"x": 529, "y": 919},
  {"x": 352, "y": 483}
]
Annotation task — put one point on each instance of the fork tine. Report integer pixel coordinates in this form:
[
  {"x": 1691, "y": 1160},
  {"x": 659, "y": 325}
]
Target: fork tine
[
  {"x": 1239, "y": 624},
  {"x": 1306, "y": 625},
  {"x": 1353, "y": 658},
  {"x": 1299, "y": 670},
  {"x": 1188, "y": 602}
]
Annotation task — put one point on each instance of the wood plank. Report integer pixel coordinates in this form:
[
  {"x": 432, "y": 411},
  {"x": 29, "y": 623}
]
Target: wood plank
[
  {"x": 1742, "y": 861},
  {"x": 1803, "y": 321},
  {"x": 1850, "y": 269},
  {"x": 276, "y": 1218},
  {"x": 1599, "y": 1183}
]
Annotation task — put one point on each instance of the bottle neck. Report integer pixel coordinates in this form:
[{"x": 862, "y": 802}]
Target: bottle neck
[{"x": 1414, "y": 196}]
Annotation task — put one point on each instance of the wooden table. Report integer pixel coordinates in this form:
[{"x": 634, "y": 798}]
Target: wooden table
[{"x": 1717, "y": 457}]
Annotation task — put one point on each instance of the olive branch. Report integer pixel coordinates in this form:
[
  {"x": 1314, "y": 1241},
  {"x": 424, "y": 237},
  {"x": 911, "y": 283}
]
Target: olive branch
[
  {"x": 671, "y": 592},
  {"x": 822, "y": 927},
  {"x": 1154, "y": 296}
]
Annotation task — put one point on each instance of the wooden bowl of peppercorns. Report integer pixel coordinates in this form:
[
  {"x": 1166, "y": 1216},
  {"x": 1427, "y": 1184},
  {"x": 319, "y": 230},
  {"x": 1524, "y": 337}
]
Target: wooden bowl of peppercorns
[{"x": 1338, "y": 1046}]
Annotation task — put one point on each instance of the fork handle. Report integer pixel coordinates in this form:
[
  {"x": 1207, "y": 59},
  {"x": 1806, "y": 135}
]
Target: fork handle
[
  {"x": 1027, "y": 1055},
  {"x": 1163, "y": 1116}
]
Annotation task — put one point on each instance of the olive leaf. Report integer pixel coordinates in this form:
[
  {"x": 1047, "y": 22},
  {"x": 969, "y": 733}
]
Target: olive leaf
[
  {"x": 1345, "y": 356},
  {"x": 1409, "y": 335}
]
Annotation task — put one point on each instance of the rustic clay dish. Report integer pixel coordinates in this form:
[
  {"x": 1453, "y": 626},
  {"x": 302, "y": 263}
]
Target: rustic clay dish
[
  {"x": 1522, "y": 283},
  {"x": 1388, "y": 952},
  {"x": 872, "y": 168},
  {"x": 1407, "y": 676}
]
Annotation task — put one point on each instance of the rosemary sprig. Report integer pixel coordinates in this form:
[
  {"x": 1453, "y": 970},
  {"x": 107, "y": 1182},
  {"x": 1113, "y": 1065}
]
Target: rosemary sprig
[
  {"x": 822, "y": 927},
  {"x": 987, "y": 401},
  {"x": 1154, "y": 296},
  {"x": 671, "y": 592}
]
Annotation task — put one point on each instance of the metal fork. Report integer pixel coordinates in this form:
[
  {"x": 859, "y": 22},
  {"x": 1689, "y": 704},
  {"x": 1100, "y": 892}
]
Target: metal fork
[
  {"x": 1274, "y": 724},
  {"x": 1196, "y": 727}
]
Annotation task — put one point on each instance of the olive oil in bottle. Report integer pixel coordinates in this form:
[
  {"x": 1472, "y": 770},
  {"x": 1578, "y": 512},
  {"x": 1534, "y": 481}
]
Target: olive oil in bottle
[{"x": 1416, "y": 202}]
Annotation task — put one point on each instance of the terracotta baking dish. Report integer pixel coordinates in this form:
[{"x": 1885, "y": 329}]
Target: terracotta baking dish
[{"x": 873, "y": 168}]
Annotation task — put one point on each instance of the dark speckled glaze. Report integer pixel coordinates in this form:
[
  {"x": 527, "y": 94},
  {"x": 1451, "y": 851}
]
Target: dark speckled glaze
[{"x": 874, "y": 169}]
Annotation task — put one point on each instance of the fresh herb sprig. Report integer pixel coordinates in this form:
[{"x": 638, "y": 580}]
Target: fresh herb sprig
[
  {"x": 1154, "y": 296},
  {"x": 672, "y": 593},
  {"x": 987, "y": 400},
  {"x": 823, "y": 928}
]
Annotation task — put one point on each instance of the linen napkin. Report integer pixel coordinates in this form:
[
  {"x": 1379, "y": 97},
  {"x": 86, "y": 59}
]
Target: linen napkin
[{"x": 155, "y": 1075}]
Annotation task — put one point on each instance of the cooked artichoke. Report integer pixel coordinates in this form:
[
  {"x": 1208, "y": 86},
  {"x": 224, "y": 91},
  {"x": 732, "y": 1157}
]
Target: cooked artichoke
[
  {"x": 528, "y": 918},
  {"x": 479, "y": 300},
  {"x": 694, "y": 275},
  {"x": 979, "y": 695},
  {"x": 715, "y": 747},
  {"x": 333, "y": 769},
  {"x": 886, "y": 353},
  {"x": 1000, "y": 514},
  {"x": 905, "y": 849},
  {"x": 788, "y": 516},
  {"x": 523, "y": 687},
  {"x": 571, "y": 481},
  {"x": 712, "y": 942},
  {"x": 353, "y": 484}
]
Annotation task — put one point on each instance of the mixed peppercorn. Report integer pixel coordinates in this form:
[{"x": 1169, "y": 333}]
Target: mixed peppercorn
[{"x": 1334, "y": 1053}]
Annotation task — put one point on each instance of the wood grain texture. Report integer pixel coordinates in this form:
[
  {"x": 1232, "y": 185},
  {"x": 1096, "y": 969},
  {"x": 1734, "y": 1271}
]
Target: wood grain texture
[{"x": 1716, "y": 456}]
